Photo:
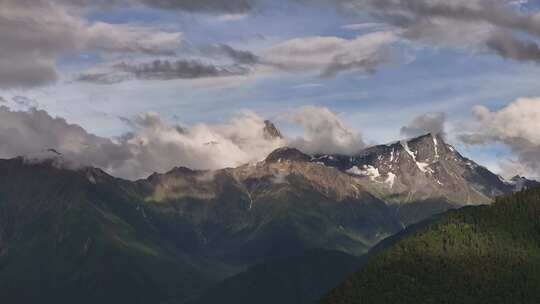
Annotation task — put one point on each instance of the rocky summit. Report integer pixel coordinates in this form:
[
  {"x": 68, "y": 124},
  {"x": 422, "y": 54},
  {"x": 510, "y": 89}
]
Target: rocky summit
[{"x": 423, "y": 176}]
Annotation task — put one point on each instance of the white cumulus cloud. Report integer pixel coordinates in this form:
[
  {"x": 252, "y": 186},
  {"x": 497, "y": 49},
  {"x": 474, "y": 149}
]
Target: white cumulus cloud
[
  {"x": 517, "y": 125},
  {"x": 324, "y": 132}
]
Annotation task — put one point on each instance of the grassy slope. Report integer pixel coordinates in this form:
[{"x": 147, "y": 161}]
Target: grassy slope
[{"x": 474, "y": 255}]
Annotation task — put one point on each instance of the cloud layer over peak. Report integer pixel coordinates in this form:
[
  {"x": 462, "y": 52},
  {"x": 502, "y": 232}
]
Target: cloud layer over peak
[
  {"x": 324, "y": 132},
  {"x": 433, "y": 123},
  {"x": 154, "y": 145}
]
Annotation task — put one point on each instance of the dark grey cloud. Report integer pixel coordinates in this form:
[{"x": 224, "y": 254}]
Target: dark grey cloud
[
  {"x": 163, "y": 70},
  {"x": 433, "y": 123},
  {"x": 109, "y": 77},
  {"x": 237, "y": 56},
  {"x": 508, "y": 46},
  {"x": 180, "y": 69},
  {"x": 205, "y": 6},
  {"x": 228, "y": 6}
]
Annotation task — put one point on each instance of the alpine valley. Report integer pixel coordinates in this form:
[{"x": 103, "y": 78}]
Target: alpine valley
[{"x": 284, "y": 230}]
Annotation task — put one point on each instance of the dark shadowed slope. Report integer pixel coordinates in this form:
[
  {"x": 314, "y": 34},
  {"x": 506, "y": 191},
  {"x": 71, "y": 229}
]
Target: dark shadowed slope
[
  {"x": 78, "y": 237},
  {"x": 488, "y": 254},
  {"x": 300, "y": 279},
  {"x": 83, "y": 236}
]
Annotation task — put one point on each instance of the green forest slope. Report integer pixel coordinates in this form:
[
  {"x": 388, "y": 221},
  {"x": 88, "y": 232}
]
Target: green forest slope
[{"x": 488, "y": 254}]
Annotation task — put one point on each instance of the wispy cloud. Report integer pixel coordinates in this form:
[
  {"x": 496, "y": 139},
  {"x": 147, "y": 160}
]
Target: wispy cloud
[{"x": 333, "y": 55}]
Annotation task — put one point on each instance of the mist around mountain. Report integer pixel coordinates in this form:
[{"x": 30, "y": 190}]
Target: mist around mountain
[
  {"x": 485, "y": 254},
  {"x": 80, "y": 235}
]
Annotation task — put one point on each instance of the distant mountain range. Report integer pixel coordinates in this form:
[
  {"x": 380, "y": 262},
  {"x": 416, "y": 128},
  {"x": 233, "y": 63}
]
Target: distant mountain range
[{"x": 86, "y": 237}]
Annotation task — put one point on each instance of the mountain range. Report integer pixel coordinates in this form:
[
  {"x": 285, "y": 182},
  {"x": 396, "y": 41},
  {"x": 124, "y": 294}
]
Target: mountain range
[
  {"x": 423, "y": 176},
  {"x": 81, "y": 235}
]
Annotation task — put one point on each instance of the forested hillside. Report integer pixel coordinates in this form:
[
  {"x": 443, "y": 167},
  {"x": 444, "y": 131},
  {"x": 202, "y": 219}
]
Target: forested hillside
[{"x": 488, "y": 254}]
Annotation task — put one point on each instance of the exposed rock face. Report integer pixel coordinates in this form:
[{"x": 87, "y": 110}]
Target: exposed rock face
[
  {"x": 287, "y": 154},
  {"x": 287, "y": 197},
  {"x": 422, "y": 176},
  {"x": 270, "y": 131}
]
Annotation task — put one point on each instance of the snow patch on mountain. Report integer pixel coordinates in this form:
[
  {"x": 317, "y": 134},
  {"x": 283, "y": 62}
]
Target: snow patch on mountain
[
  {"x": 405, "y": 146},
  {"x": 424, "y": 167},
  {"x": 436, "y": 147},
  {"x": 390, "y": 180}
]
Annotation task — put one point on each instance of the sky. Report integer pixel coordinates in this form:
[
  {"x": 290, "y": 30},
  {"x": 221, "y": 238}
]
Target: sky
[{"x": 141, "y": 86}]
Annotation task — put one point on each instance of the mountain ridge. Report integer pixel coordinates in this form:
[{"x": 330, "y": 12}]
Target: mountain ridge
[{"x": 208, "y": 225}]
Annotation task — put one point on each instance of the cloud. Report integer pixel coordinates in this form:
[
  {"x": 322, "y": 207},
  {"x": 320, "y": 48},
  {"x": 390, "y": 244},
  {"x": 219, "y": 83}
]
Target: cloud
[
  {"x": 328, "y": 56},
  {"x": 324, "y": 132},
  {"x": 477, "y": 24},
  {"x": 239, "y": 63},
  {"x": 332, "y": 55},
  {"x": 364, "y": 26},
  {"x": 158, "y": 146},
  {"x": 229, "y": 6},
  {"x": 152, "y": 146},
  {"x": 433, "y": 123},
  {"x": 35, "y": 34},
  {"x": 237, "y": 56},
  {"x": 162, "y": 70},
  {"x": 517, "y": 126},
  {"x": 510, "y": 47},
  {"x": 205, "y": 6},
  {"x": 32, "y": 131}
]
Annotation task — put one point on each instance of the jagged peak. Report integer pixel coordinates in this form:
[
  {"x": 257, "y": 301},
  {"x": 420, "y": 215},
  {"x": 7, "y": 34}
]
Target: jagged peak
[
  {"x": 270, "y": 131},
  {"x": 287, "y": 154}
]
